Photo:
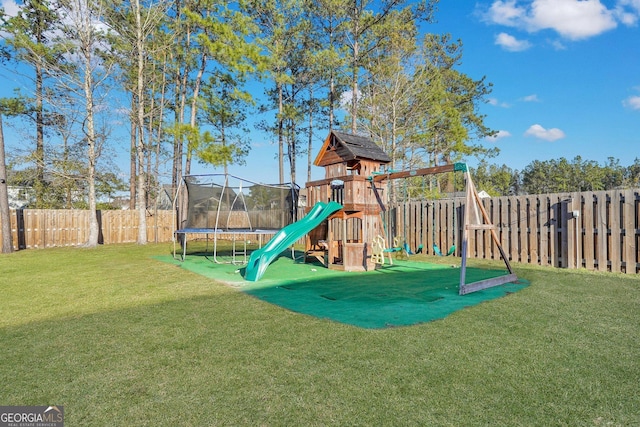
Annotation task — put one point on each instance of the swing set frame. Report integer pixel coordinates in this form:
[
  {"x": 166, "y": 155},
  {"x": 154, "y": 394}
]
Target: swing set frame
[{"x": 475, "y": 218}]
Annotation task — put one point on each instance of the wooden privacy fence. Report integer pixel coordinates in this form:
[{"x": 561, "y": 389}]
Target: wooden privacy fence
[
  {"x": 43, "y": 228},
  {"x": 593, "y": 230}
]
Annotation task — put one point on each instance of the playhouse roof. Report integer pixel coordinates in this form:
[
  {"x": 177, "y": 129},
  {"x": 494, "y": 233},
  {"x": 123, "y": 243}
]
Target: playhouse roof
[{"x": 343, "y": 147}]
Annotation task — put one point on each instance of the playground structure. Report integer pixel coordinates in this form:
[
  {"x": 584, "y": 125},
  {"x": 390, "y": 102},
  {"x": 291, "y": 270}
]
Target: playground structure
[
  {"x": 344, "y": 241},
  {"x": 350, "y": 239},
  {"x": 343, "y": 226}
]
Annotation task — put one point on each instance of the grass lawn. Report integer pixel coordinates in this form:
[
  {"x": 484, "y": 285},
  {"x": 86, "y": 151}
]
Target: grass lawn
[{"x": 121, "y": 339}]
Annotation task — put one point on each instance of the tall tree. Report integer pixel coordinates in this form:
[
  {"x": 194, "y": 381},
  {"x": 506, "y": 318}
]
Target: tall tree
[
  {"x": 137, "y": 26},
  {"x": 27, "y": 37},
  {"x": 613, "y": 174},
  {"x": 142, "y": 27},
  {"x": 329, "y": 57},
  {"x": 495, "y": 180},
  {"x": 279, "y": 23},
  {"x": 369, "y": 26},
  {"x": 227, "y": 54},
  {"x": 632, "y": 174},
  {"x": 389, "y": 92},
  {"x": 417, "y": 105},
  {"x": 453, "y": 117},
  {"x": 224, "y": 109},
  {"x": 158, "y": 46},
  {"x": 83, "y": 75},
  {"x": 5, "y": 218}
]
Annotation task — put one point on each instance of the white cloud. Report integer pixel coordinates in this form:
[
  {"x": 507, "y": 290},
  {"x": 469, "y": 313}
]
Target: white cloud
[
  {"x": 496, "y": 103},
  {"x": 346, "y": 98},
  {"x": 628, "y": 11},
  {"x": 557, "y": 45},
  {"x": 550, "y": 135},
  {"x": 627, "y": 18},
  {"x": 571, "y": 19},
  {"x": 632, "y": 102},
  {"x": 506, "y": 13},
  {"x": 10, "y": 7},
  {"x": 510, "y": 43},
  {"x": 499, "y": 135},
  {"x": 531, "y": 98}
]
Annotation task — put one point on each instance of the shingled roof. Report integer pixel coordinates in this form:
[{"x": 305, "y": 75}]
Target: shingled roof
[{"x": 344, "y": 147}]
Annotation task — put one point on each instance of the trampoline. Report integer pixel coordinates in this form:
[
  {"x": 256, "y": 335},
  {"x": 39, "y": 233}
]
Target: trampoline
[{"x": 227, "y": 207}]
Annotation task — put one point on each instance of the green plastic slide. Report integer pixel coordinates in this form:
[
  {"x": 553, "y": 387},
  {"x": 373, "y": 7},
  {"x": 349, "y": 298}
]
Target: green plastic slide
[{"x": 261, "y": 258}]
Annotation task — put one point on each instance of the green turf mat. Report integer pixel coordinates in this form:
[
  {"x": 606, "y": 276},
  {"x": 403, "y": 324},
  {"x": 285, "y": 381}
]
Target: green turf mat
[{"x": 404, "y": 294}]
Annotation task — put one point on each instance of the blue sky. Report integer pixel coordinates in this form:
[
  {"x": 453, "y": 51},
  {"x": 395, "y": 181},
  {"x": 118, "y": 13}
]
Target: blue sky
[{"x": 565, "y": 75}]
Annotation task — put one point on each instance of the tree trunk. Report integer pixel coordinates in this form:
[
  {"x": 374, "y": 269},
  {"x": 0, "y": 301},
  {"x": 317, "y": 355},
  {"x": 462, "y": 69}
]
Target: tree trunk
[
  {"x": 5, "y": 218},
  {"x": 194, "y": 107},
  {"x": 280, "y": 133},
  {"x": 39, "y": 154},
  {"x": 310, "y": 142},
  {"x": 141, "y": 196},
  {"x": 132, "y": 158},
  {"x": 292, "y": 151},
  {"x": 90, "y": 133},
  {"x": 332, "y": 100},
  {"x": 354, "y": 77}
]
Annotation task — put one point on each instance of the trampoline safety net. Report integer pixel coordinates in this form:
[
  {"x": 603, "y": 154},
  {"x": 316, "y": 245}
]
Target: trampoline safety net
[{"x": 227, "y": 203}]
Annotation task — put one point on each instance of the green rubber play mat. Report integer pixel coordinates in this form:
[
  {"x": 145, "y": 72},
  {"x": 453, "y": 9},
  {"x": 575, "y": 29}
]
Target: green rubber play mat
[{"x": 406, "y": 293}]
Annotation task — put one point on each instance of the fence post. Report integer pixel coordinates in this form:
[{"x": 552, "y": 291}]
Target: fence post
[
  {"x": 533, "y": 256},
  {"x": 629, "y": 250},
  {"x": 570, "y": 218},
  {"x": 615, "y": 240},
  {"x": 21, "y": 231},
  {"x": 602, "y": 223},
  {"x": 100, "y": 233}
]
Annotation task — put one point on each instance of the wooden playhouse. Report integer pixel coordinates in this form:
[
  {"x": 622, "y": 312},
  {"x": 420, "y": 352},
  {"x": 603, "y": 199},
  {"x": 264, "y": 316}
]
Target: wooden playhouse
[{"x": 343, "y": 242}]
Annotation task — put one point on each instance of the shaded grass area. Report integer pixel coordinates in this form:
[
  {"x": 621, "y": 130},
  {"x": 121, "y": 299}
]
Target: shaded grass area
[
  {"x": 405, "y": 293},
  {"x": 122, "y": 339}
]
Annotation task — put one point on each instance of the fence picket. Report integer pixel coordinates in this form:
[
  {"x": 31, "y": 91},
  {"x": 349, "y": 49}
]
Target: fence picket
[
  {"x": 543, "y": 231},
  {"x": 629, "y": 230},
  {"x": 615, "y": 243},
  {"x": 602, "y": 233},
  {"x": 532, "y": 228},
  {"x": 588, "y": 229}
]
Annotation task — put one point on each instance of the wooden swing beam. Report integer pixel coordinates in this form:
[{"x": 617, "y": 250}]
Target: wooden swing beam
[{"x": 434, "y": 170}]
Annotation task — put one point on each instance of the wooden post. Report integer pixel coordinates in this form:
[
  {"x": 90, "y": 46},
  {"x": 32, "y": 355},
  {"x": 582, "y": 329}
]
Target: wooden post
[
  {"x": 628, "y": 248},
  {"x": 588, "y": 247},
  {"x": 473, "y": 203},
  {"x": 568, "y": 239},
  {"x": 602, "y": 231},
  {"x": 555, "y": 223},
  {"x": 616, "y": 233}
]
